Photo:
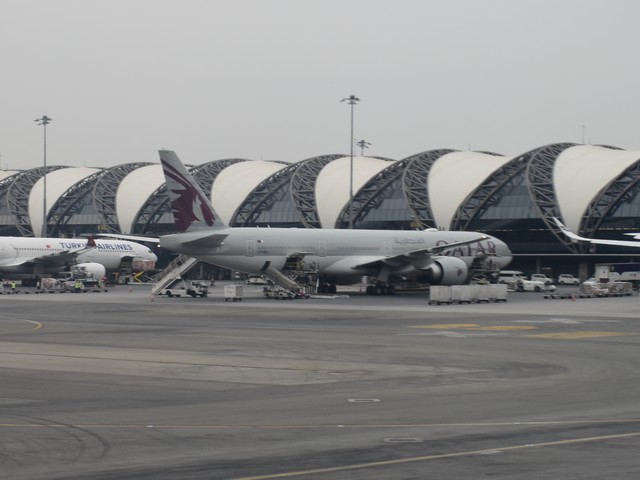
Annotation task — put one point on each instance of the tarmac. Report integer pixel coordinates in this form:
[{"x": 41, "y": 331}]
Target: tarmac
[{"x": 122, "y": 384}]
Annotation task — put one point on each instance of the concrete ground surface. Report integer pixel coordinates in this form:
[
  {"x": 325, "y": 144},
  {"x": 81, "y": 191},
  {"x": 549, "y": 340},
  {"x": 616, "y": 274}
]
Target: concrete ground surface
[{"x": 122, "y": 385}]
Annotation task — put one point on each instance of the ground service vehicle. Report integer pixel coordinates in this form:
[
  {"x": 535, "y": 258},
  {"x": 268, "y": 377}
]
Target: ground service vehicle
[
  {"x": 179, "y": 288},
  {"x": 541, "y": 277},
  {"x": 618, "y": 272},
  {"x": 510, "y": 276},
  {"x": 567, "y": 279},
  {"x": 524, "y": 285}
]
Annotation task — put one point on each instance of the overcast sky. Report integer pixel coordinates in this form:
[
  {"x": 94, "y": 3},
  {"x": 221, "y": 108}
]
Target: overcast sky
[{"x": 263, "y": 79}]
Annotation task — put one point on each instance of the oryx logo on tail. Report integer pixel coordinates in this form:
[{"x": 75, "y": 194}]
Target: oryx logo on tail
[{"x": 188, "y": 203}]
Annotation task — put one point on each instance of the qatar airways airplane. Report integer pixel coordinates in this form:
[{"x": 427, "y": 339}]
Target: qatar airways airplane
[
  {"x": 37, "y": 256},
  {"x": 341, "y": 256}
]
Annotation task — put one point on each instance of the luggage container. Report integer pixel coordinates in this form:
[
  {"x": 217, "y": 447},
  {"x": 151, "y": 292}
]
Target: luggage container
[
  {"x": 439, "y": 294},
  {"x": 493, "y": 293},
  {"x": 461, "y": 293},
  {"x": 233, "y": 293}
]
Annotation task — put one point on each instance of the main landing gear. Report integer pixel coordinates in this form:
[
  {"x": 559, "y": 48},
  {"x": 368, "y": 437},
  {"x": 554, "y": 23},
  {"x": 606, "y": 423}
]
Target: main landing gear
[
  {"x": 381, "y": 288},
  {"x": 327, "y": 288}
]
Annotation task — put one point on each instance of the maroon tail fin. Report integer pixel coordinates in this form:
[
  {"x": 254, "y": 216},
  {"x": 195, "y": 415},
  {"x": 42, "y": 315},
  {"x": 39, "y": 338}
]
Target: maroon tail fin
[{"x": 191, "y": 208}]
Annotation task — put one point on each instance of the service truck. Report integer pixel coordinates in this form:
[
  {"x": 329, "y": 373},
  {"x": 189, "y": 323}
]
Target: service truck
[{"x": 618, "y": 272}]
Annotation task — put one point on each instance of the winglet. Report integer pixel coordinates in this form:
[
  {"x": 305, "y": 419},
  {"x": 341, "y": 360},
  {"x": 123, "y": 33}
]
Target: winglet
[
  {"x": 191, "y": 208},
  {"x": 91, "y": 242}
]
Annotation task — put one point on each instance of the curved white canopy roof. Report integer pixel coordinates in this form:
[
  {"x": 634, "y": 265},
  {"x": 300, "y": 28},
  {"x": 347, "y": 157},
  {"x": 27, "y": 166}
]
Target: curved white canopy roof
[
  {"x": 134, "y": 191},
  {"x": 453, "y": 177},
  {"x": 58, "y": 182},
  {"x": 580, "y": 172},
  {"x": 332, "y": 185},
  {"x": 233, "y": 184},
  {"x": 7, "y": 173}
]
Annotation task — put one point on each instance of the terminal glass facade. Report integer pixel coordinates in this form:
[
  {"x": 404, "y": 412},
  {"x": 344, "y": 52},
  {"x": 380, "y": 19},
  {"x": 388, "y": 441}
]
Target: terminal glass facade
[{"x": 387, "y": 211}]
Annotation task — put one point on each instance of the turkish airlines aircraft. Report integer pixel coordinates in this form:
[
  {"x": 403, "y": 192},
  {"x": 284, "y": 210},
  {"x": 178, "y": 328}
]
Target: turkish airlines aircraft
[
  {"x": 341, "y": 256},
  {"x": 36, "y": 256}
]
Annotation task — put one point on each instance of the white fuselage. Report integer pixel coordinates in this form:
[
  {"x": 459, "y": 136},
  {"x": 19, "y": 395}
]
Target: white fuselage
[
  {"x": 49, "y": 255},
  {"x": 336, "y": 253}
]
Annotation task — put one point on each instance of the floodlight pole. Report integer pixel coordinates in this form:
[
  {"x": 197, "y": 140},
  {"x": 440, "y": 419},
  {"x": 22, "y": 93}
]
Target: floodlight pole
[
  {"x": 351, "y": 100},
  {"x": 363, "y": 144},
  {"x": 44, "y": 121}
]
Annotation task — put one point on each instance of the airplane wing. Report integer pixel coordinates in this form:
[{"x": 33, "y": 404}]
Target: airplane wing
[
  {"x": 133, "y": 238},
  {"x": 198, "y": 241},
  {"x": 410, "y": 258},
  {"x": 619, "y": 243}
]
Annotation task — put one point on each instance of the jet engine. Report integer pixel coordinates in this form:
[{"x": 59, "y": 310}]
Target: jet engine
[
  {"x": 90, "y": 269},
  {"x": 446, "y": 271}
]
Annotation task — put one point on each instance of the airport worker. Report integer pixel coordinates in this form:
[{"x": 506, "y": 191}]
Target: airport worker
[{"x": 13, "y": 286}]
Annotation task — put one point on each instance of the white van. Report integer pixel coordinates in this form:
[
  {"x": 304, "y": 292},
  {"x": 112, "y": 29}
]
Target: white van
[{"x": 510, "y": 276}]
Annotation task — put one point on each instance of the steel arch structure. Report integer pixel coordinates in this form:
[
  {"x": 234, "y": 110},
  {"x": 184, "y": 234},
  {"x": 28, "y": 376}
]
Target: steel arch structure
[
  {"x": 18, "y": 197},
  {"x": 104, "y": 194},
  {"x": 486, "y": 194},
  {"x": 541, "y": 188},
  {"x": 415, "y": 185},
  {"x": 537, "y": 168},
  {"x": 368, "y": 196},
  {"x": 263, "y": 197},
  {"x": 72, "y": 202},
  {"x": 303, "y": 188},
  {"x": 616, "y": 192}
]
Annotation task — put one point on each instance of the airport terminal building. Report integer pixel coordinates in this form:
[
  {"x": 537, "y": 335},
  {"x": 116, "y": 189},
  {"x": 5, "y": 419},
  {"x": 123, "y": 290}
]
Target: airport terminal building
[{"x": 594, "y": 190}]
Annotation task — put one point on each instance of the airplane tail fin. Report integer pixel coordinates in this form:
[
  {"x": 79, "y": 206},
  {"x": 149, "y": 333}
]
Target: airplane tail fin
[{"x": 191, "y": 209}]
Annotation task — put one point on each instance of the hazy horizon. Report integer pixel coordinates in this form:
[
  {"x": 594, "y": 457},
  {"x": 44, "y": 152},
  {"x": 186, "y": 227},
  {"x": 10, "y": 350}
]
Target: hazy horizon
[{"x": 264, "y": 79}]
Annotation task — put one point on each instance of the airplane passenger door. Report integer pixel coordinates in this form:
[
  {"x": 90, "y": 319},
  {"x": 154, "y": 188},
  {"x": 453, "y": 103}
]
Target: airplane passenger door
[
  {"x": 251, "y": 248},
  {"x": 322, "y": 248}
]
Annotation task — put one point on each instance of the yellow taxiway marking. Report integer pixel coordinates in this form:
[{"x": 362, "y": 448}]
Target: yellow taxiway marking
[
  {"x": 448, "y": 326},
  {"x": 384, "y": 463},
  {"x": 475, "y": 326},
  {"x": 579, "y": 335},
  {"x": 36, "y": 325},
  {"x": 505, "y": 328}
]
